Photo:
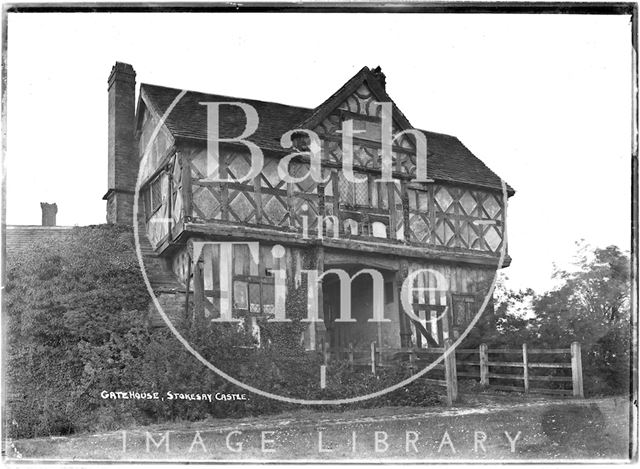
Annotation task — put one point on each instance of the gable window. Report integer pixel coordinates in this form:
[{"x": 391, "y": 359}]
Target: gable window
[
  {"x": 364, "y": 127},
  {"x": 367, "y": 130},
  {"x": 354, "y": 193}
]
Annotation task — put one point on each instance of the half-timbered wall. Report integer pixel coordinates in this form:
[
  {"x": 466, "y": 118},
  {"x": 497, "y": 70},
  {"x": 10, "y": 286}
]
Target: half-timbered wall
[
  {"x": 155, "y": 198},
  {"x": 176, "y": 189},
  {"x": 151, "y": 155},
  {"x": 253, "y": 293},
  {"x": 465, "y": 290},
  {"x": 250, "y": 281},
  {"x": 433, "y": 214},
  {"x": 161, "y": 198},
  {"x": 430, "y": 214}
]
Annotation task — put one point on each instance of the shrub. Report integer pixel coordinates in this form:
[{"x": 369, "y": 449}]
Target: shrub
[
  {"x": 77, "y": 325},
  {"x": 74, "y": 327}
]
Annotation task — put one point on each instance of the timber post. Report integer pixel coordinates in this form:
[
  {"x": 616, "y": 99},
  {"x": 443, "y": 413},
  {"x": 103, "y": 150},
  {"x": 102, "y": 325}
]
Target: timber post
[
  {"x": 412, "y": 361},
  {"x": 320, "y": 329},
  {"x": 187, "y": 288},
  {"x": 576, "y": 369},
  {"x": 405, "y": 326},
  {"x": 373, "y": 358},
  {"x": 484, "y": 365},
  {"x": 525, "y": 367},
  {"x": 451, "y": 376},
  {"x": 325, "y": 351},
  {"x": 198, "y": 286},
  {"x": 350, "y": 356},
  {"x": 187, "y": 190}
]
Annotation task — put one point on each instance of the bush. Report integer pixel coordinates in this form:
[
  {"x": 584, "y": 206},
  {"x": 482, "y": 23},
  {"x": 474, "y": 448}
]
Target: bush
[{"x": 77, "y": 325}]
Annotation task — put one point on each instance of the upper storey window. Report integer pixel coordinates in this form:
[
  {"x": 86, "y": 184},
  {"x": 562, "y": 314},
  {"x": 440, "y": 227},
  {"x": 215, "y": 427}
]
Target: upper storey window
[
  {"x": 367, "y": 130},
  {"x": 364, "y": 127}
]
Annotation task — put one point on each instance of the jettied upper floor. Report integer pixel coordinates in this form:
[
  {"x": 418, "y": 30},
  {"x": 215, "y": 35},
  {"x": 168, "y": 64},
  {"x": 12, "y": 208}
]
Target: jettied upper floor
[{"x": 458, "y": 215}]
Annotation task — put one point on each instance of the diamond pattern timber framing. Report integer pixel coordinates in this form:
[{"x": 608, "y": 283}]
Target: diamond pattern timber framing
[
  {"x": 435, "y": 214},
  {"x": 438, "y": 215}
]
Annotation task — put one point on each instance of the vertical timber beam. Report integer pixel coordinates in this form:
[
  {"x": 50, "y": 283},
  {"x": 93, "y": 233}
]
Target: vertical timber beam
[
  {"x": 405, "y": 210},
  {"x": 187, "y": 292},
  {"x": 170, "y": 204},
  {"x": 257, "y": 197},
  {"x": 335, "y": 187},
  {"x": 393, "y": 215},
  {"x": 404, "y": 321},
  {"x": 187, "y": 192},
  {"x": 224, "y": 187},
  {"x": 320, "y": 327},
  {"x": 321, "y": 212},
  {"x": 198, "y": 288},
  {"x": 290, "y": 205}
]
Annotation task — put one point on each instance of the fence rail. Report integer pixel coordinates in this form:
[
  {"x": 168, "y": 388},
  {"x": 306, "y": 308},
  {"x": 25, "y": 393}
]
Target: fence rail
[
  {"x": 489, "y": 372},
  {"x": 526, "y": 370}
]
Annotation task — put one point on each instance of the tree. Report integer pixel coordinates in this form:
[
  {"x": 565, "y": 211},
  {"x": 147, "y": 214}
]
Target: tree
[
  {"x": 591, "y": 306},
  {"x": 507, "y": 321}
]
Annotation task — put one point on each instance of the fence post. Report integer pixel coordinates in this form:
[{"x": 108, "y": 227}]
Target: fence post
[
  {"x": 373, "y": 358},
  {"x": 576, "y": 369},
  {"x": 412, "y": 359},
  {"x": 484, "y": 365},
  {"x": 325, "y": 351},
  {"x": 525, "y": 366},
  {"x": 450, "y": 374},
  {"x": 351, "y": 356}
]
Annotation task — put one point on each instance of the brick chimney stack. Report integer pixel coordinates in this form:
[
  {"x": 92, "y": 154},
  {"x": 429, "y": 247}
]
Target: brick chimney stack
[
  {"x": 123, "y": 161},
  {"x": 49, "y": 212}
]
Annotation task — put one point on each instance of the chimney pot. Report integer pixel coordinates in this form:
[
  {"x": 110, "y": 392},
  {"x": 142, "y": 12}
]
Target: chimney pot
[
  {"x": 382, "y": 78},
  {"x": 49, "y": 212}
]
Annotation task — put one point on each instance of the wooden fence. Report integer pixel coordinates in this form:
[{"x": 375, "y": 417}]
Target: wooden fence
[
  {"x": 497, "y": 369},
  {"x": 376, "y": 358},
  {"x": 493, "y": 368}
]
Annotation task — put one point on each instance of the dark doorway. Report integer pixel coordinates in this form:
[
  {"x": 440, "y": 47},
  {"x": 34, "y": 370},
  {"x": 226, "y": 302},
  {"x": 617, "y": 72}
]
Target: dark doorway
[{"x": 362, "y": 331}]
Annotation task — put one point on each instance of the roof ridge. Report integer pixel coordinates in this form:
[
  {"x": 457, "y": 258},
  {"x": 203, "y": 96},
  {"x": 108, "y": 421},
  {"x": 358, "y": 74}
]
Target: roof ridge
[
  {"x": 438, "y": 133},
  {"x": 228, "y": 97},
  {"x": 55, "y": 227}
]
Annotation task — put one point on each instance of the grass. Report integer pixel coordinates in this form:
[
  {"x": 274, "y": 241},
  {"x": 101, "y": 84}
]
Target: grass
[{"x": 475, "y": 430}]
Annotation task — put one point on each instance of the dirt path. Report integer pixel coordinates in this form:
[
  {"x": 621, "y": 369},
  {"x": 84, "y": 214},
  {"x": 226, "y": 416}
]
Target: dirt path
[{"x": 482, "y": 427}]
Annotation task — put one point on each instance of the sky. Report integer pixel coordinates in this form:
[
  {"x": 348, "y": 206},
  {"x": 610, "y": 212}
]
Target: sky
[{"x": 543, "y": 100}]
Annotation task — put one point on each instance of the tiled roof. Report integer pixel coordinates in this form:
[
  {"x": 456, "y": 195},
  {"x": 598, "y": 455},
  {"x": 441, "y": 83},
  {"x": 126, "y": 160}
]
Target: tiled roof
[
  {"x": 449, "y": 160},
  {"x": 168, "y": 289},
  {"x": 188, "y": 119},
  {"x": 21, "y": 237}
]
